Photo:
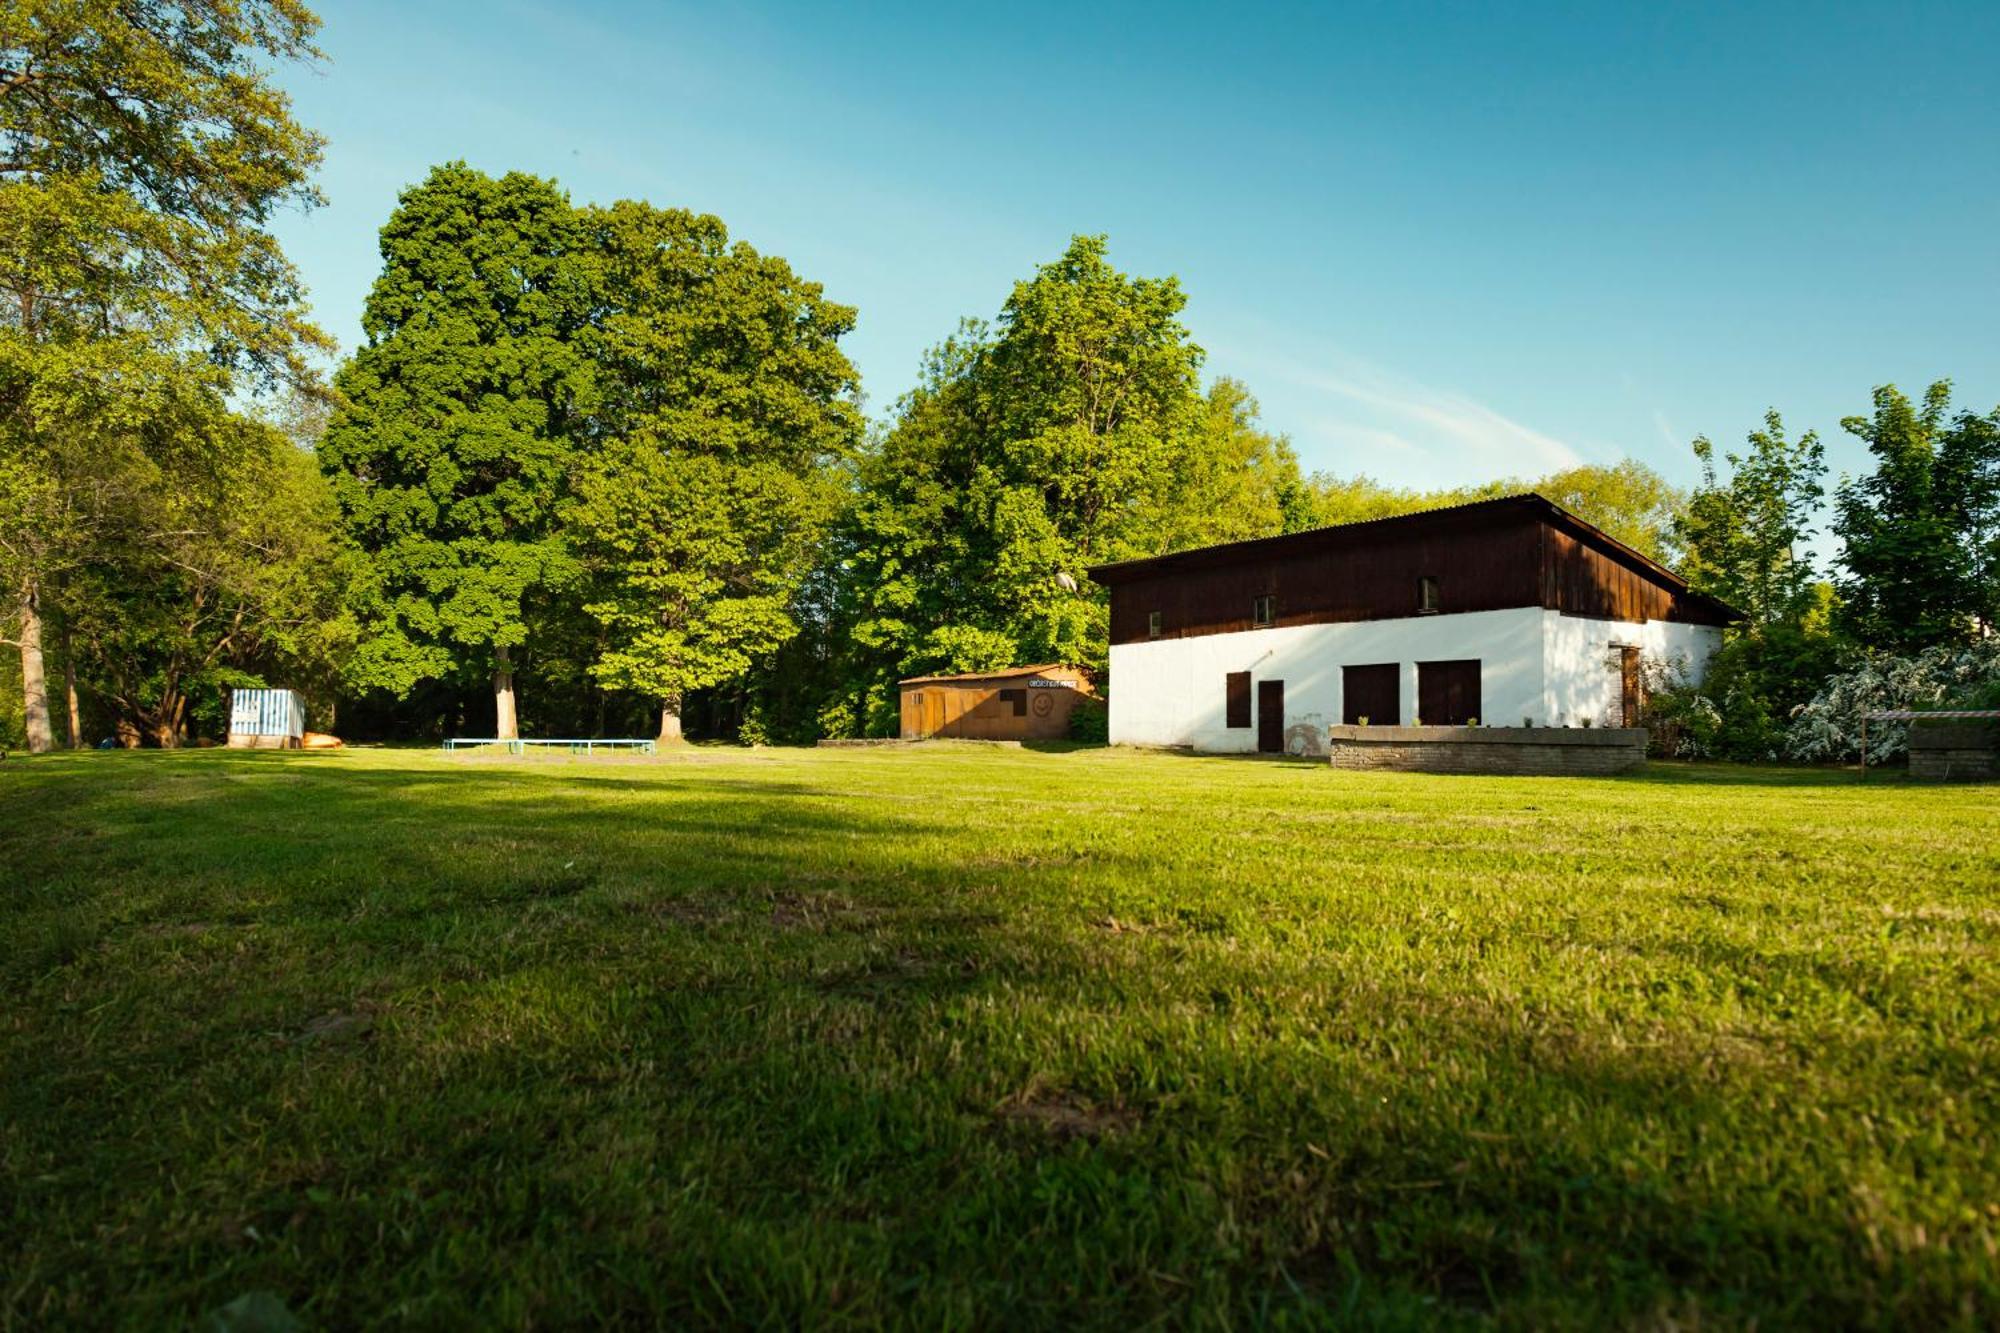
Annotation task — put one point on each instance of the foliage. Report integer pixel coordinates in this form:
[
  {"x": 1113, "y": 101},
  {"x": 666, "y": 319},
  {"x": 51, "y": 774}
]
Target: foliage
[
  {"x": 1054, "y": 439},
  {"x": 1829, "y": 726},
  {"x": 143, "y": 152},
  {"x": 1921, "y": 534},
  {"x": 725, "y": 408},
  {"x": 1628, "y": 500},
  {"x": 1743, "y": 540},
  {"x": 244, "y": 585},
  {"x": 452, "y": 451},
  {"x": 1749, "y": 689},
  {"x": 1681, "y": 720},
  {"x": 919, "y": 1038},
  {"x": 1090, "y": 721},
  {"x": 1234, "y": 481}
]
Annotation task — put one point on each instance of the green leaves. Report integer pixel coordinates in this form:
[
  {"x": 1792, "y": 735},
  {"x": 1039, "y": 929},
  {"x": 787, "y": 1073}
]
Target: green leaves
[
  {"x": 1070, "y": 431},
  {"x": 455, "y": 445},
  {"x": 606, "y": 413},
  {"x": 1921, "y": 535},
  {"x": 1743, "y": 540},
  {"x": 727, "y": 409}
]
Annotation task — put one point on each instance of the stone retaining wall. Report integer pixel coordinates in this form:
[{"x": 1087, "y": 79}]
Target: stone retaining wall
[
  {"x": 1955, "y": 751},
  {"x": 1546, "y": 751}
]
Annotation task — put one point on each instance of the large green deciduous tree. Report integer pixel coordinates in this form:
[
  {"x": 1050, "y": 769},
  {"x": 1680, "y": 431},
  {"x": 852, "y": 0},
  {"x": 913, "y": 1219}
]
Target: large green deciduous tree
[
  {"x": 1743, "y": 539},
  {"x": 1232, "y": 480},
  {"x": 1033, "y": 447},
  {"x": 1921, "y": 534},
  {"x": 453, "y": 451},
  {"x": 143, "y": 151},
  {"x": 725, "y": 412}
]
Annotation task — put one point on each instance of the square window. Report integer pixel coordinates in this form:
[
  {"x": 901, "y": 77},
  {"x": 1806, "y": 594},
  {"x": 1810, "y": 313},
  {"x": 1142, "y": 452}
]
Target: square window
[
  {"x": 1152, "y": 624},
  {"x": 1017, "y": 700},
  {"x": 1427, "y": 594},
  {"x": 1264, "y": 611}
]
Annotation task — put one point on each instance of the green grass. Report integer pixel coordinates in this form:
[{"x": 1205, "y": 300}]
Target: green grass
[{"x": 1000, "y": 1038}]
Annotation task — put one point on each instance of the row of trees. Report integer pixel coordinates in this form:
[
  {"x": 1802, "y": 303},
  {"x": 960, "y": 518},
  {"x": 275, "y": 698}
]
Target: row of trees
[{"x": 596, "y": 468}]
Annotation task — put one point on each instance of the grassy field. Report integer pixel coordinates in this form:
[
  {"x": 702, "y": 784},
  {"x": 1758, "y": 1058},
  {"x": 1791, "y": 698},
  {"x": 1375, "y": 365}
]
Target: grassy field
[{"x": 962, "y": 1036}]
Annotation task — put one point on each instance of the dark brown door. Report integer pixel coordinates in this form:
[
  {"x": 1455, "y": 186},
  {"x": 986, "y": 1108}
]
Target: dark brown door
[
  {"x": 1374, "y": 692},
  {"x": 1628, "y": 681},
  {"x": 1271, "y": 717},
  {"x": 1447, "y": 693}
]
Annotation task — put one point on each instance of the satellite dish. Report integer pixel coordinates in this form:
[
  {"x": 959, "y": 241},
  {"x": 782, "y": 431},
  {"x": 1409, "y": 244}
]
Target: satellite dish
[{"x": 1064, "y": 581}]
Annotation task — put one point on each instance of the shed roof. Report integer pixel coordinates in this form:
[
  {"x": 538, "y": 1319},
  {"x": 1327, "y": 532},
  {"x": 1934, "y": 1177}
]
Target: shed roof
[{"x": 1008, "y": 674}]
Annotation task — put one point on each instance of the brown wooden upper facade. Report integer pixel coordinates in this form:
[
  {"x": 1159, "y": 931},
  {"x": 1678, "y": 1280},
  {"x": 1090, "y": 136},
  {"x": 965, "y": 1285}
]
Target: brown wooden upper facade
[{"x": 1516, "y": 551}]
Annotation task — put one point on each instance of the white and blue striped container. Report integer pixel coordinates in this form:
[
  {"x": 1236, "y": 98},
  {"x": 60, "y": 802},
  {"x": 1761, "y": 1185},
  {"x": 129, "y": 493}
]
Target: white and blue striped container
[{"x": 265, "y": 718}]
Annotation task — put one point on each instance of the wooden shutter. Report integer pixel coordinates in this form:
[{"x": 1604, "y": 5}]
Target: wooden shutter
[
  {"x": 1374, "y": 691},
  {"x": 1237, "y": 698},
  {"x": 1447, "y": 693}
]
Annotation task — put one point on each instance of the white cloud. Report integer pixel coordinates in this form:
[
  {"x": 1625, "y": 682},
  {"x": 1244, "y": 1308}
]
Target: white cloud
[
  {"x": 1444, "y": 422},
  {"x": 1673, "y": 438},
  {"x": 1373, "y": 419}
]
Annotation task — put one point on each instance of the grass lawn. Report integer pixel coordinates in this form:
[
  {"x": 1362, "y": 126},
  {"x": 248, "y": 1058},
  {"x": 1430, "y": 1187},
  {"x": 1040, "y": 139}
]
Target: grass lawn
[{"x": 962, "y": 1036}]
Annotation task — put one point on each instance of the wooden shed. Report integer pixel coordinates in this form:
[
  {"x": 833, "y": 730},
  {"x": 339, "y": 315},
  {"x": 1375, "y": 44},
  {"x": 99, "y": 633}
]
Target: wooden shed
[{"x": 1019, "y": 704}]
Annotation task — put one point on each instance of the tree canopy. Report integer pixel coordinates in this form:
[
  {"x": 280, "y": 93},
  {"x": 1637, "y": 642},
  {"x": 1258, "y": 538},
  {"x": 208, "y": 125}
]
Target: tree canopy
[
  {"x": 1920, "y": 535},
  {"x": 143, "y": 151},
  {"x": 725, "y": 411},
  {"x": 460, "y": 419}
]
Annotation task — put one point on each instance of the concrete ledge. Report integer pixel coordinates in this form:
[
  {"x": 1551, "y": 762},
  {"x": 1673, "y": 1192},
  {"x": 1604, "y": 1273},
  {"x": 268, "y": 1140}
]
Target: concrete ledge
[{"x": 1545, "y": 751}]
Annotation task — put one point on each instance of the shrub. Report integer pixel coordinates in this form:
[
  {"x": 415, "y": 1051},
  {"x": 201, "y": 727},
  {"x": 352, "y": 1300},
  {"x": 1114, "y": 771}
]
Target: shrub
[
  {"x": 1090, "y": 722},
  {"x": 1681, "y": 721},
  {"x": 1829, "y": 726}
]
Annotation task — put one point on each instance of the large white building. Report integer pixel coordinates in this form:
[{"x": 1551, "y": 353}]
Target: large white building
[{"x": 1508, "y": 612}]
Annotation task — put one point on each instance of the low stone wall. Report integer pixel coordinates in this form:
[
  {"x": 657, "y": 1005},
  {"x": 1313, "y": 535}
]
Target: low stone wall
[
  {"x": 1546, "y": 751},
  {"x": 1955, "y": 751}
]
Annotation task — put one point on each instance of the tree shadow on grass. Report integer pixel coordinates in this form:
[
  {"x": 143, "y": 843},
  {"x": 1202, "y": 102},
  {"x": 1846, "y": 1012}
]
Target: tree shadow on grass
[{"x": 644, "y": 1046}]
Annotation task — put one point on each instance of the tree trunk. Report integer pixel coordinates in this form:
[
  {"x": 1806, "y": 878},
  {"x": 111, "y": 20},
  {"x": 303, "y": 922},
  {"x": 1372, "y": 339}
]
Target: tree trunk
[
  {"x": 128, "y": 733},
  {"x": 670, "y": 722},
  {"x": 69, "y": 692},
  {"x": 34, "y": 684},
  {"x": 170, "y": 725},
  {"x": 505, "y": 727}
]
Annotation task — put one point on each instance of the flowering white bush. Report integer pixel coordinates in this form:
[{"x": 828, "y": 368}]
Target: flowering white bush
[
  {"x": 1682, "y": 721},
  {"x": 1829, "y": 727}
]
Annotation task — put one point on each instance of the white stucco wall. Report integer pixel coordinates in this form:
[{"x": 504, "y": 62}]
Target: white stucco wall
[
  {"x": 1171, "y": 692},
  {"x": 1581, "y": 670},
  {"x": 1535, "y": 664}
]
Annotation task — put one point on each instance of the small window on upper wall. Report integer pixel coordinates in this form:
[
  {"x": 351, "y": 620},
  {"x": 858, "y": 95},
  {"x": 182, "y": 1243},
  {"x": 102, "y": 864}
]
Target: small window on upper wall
[
  {"x": 1427, "y": 593},
  {"x": 1264, "y": 611},
  {"x": 1152, "y": 624}
]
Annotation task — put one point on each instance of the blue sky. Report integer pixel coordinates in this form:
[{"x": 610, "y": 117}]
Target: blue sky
[{"x": 1440, "y": 243}]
